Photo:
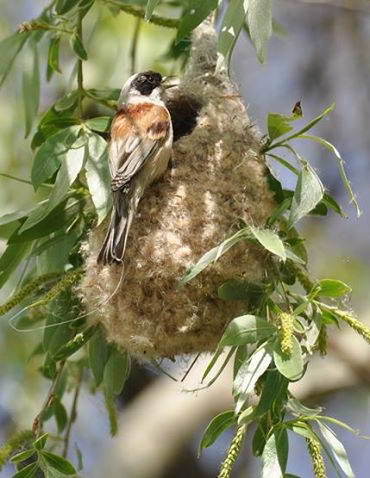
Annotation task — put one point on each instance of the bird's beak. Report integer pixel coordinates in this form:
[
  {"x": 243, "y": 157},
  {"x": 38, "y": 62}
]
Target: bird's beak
[{"x": 170, "y": 81}]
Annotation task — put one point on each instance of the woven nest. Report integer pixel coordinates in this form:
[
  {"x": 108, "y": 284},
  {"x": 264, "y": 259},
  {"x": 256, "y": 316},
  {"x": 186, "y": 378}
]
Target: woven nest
[{"x": 217, "y": 178}]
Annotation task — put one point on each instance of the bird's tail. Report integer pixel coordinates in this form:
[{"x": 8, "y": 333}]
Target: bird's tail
[{"x": 114, "y": 245}]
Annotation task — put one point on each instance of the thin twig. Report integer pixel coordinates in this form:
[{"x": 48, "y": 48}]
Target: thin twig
[
  {"x": 191, "y": 366},
  {"x": 133, "y": 49},
  {"x": 38, "y": 421},
  {"x": 73, "y": 414},
  {"x": 80, "y": 87}
]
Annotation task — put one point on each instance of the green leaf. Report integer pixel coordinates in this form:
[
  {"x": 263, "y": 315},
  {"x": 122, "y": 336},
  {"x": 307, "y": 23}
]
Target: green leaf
[
  {"x": 259, "y": 19},
  {"x": 101, "y": 123},
  {"x": 31, "y": 87},
  {"x": 150, "y": 6},
  {"x": 72, "y": 163},
  {"x": 270, "y": 241},
  {"x": 63, "y": 6},
  {"x": 19, "y": 214},
  {"x": 332, "y": 288},
  {"x": 11, "y": 258},
  {"x": 59, "y": 463},
  {"x": 246, "y": 329},
  {"x": 338, "y": 450},
  {"x": 290, "y": 366},
  {"x": 212, "y": 256},
  {"x": 278, "y": 124},
  {"x": 28, "y": 471},
  {"x": 341, "y": 164},
  {"x": 248, "y": 374},
  {"x": 23, "y": 455},
  {"x": 301, "y": 410},
  {"x": 104, "y": 94},
  {"x": 112, "y": 414},
  {"x": 231, "y": 25},
  {"x": 238, "y": 289},
  {"x": 275, "y": 455},
  {"x": 331, "y": 203},
  {"x": 116, "y": 372},
  {"x": 217, "y": 425},
  {"x": 60, "y": 415},
  {"x": 62, "y": 216},
  {"x": 303, "y": 130},
  {"x": 308, "y": 193},
  {"x": 54, "y": 253},
  {"x": 53, "y": 57},
  {"x": 77, "y": 47},
  {"x": 40, "y": 443},
  {"x": 48, "y": 158},
  {"x": 274, "y": 387},
  {"x": 55, "y": 336},
  {"x": 98, "y": 356},
  {"x": 9, "y": 49},
  {"x": 98, "y": 176},
  {"x": 194, "y": 16},
  {"x": 67, "y": 102},
  {"x": 260, "y": 436}
]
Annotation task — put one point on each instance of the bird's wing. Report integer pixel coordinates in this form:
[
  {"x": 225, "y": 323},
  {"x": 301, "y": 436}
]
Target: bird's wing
[{"x": 138, "y": 131}]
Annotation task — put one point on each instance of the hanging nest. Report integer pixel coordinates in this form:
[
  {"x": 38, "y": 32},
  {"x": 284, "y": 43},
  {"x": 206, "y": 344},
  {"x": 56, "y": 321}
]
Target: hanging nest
[{"x": 217, "y": 178}]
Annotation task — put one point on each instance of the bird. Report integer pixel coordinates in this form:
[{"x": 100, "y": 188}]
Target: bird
[{"x": 139, "y": 151}]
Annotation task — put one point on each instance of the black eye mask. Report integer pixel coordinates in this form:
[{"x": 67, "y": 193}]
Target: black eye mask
[{"x": 146, "y": 82}]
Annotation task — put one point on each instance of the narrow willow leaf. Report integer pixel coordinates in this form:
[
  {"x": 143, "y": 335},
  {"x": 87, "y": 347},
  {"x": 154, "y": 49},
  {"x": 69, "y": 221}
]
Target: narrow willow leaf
[
  {"x": 20, "y": 214},
  {"x": 196, "y": 13},
  {"x": 301, "y": 410},
  {"x": 212, "y": 256},
  {"x": 116, "y": 372},
  {"x": 332, "y": 288},
  {"x": 260, "y": 25},
  {"x": 112, "y": 414},
  {"x": 238, "y": 289},
  {"x": 278, "y": 124},
  {"x": 9, "y": 49},
  {"x": 150, "y": 6},
  {"x": 233, "y": 21},
  {"x": 40, "y": 443},
  {"x": 31, "y": 87},
  {"x": 28, "y": 471},
  {"x": 337, "y": 448},
  {"x": 308, "y": 193},
  {"x": 53, "y": 57},
  {"x": 60, "y": 414},
  {"x": 101, "y": 123},
  {"x": 218, "y": 425},
  {"x": 63, "y": 6},
  {"x": 270, "y": 241},
  {"x": 246, "y": 329},
  {"x": 341, "y": 164},
  {"x": 71, "y": 165},
  {"x": 104, "y": 94},
  {"x": 67, "y": 102},
  {"x": 77, "y": 47},
  {"x": 248, "y": 374},
  {"x": 98, "y": 177},
  {"x": 98, "y": 356},
  {"x": 291, "y": 366},
  {"x": 24, "y": 455},
  {"x": 276, "y": 446},
  {"x": 11, "y": 258},
  {"x": 274, "y": 386},
  {"x": 48, "y": 158},
  {"x": 59, "y": 463}
]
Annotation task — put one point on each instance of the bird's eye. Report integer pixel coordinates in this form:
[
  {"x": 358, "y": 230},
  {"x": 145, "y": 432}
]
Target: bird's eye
[{"x": 150, "y": 79}]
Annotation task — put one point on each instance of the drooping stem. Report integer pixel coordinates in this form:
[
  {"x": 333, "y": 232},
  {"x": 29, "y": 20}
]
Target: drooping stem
[
  {"x": 73, "y": 413},
  {"x": 133, "y": 49},
  {"x": 38, "y": 421},
  {"x": 80, "y": 87}
]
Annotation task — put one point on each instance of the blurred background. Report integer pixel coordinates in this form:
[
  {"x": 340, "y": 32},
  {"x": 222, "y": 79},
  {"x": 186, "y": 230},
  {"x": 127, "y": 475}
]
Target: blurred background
[{"x": 322, "y": 58}]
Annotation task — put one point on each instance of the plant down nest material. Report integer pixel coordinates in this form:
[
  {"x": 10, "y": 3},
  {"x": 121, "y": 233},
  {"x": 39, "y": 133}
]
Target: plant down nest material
[{"x": 217, "y": 179}]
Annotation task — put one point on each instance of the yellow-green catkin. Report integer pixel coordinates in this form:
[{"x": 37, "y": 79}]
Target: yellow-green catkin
[
  {"x": 13, "y": 444},
  {"x": 358, "y": 326},
  {"x": 27, "y": 290},
  {"x": 318, "y": 464},
  {"x": 233, "y": 453},
  {"x": 286, "y": 332},
  {"x": 67, "y": 281}
]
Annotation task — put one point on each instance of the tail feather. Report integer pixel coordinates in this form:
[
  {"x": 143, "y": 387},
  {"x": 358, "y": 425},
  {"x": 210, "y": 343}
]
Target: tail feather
[{"x": 115, "y": 241}]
